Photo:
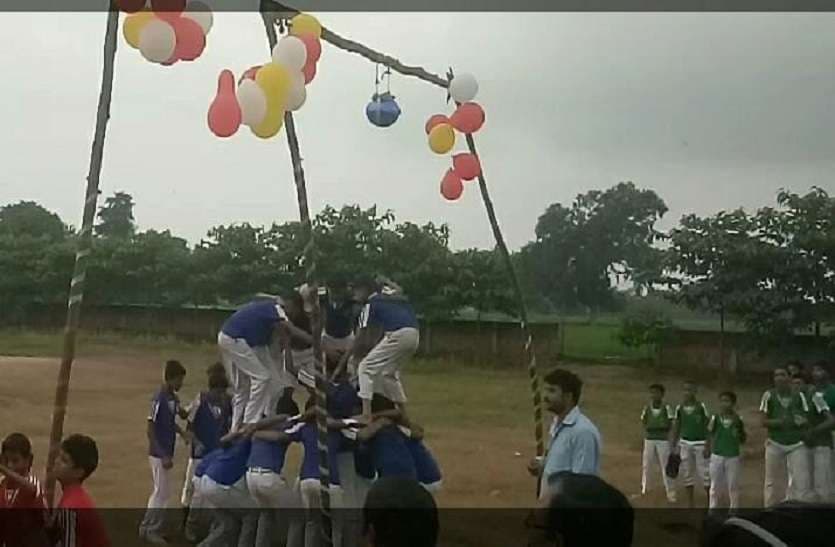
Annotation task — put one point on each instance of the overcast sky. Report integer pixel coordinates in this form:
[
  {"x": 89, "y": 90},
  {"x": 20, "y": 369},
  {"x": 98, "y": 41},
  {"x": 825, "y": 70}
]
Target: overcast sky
[{"x": 711, "y": 111}]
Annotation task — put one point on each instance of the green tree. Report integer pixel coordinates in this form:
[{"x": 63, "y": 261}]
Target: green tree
[
  {"x": 604, "y": 236},
  {"x": 646, "y": 325},
  {"x": 483, "y": 282},
  {"x": 116, "y": 217}
]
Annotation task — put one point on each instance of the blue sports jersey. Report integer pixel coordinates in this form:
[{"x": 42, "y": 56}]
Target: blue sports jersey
[
  {"x": 255, "y": 322},
  {"x": 206, "y": 461},
  {"x": 267, "y": 455},
  {"x": 391, "y": 456},
  {"x": 390, "y": 312},
  {"x": 364, "y": 461},
  {"x": 339, "y": 318},
  {"x": 228, "y": 465},
  {"x": 426, "y": 466},
  {"x": 164, "y": 408},
  {"x": 211, "y": 418},
  {"x": 343, "y": 400},
  {"x": 307, "y": 434}
]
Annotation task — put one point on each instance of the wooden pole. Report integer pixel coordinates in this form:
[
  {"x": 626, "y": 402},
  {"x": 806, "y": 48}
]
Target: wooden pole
[
  {"x": 84, "y": 244},
  {"x": 315, "y": 316},
  {"x": 279, "y": 10}
]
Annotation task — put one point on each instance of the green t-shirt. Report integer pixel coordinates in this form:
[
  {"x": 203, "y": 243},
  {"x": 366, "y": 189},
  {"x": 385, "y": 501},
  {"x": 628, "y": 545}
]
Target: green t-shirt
[
  {"x": 794, "y": 408},
  {"x": 692, "y": 419},
  {"x": 727, "y": 434},
  {"x": 657, "y": 422},
  {"x": 823, "y": 401}
]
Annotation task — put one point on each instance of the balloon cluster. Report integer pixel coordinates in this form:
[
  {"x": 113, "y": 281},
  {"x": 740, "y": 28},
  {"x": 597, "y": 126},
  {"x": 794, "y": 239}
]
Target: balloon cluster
[
  {"x": 467, "y": 119},
  {"x": 166, "y": 31},
  {"x": 264, "y": 93}
]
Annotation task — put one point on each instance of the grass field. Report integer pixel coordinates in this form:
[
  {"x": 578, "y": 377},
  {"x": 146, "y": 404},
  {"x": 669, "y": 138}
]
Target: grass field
[{"x": 478, "y": 419}]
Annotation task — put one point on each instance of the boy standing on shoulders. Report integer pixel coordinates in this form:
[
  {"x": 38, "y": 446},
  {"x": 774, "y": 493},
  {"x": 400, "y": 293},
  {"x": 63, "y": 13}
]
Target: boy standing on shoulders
[
  {"x": 76, "y": 521},
  {"x": 689, "y": 436},
  {"x": 785, "y": 415},
  {"x": 657, "y": 419},
  {"x": 21, "y": 496},
  {"x": 726, "y": 435},
  {"x": 162, "y": 436}
]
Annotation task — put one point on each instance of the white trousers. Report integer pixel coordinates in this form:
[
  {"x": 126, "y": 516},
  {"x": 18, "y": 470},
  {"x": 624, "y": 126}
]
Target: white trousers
[
  {"x": 693, "y": 464},
  {"x": 354, "y": 491},
  {"x": 656, "y": 451},
  {"x": 310, "y": 494},
  {"x": 154, "y": 520},
  {"x": 280, "y": 509},
  {"x": 724, "y": 479},
  {"x": 253, "y": 375},
  {"x": 379, "y": 371},
  {"x": 233, "y": 513},
  {"x": 188, "y": 483},
  {"x": 782, "y": 462},
  {"x": 822, "y": 473}
]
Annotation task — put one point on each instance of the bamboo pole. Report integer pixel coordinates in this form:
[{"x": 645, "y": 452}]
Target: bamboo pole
[
  {"x": 315, "y": 319},
  {"x": 84, "y": 244},
  {"x": 282, "y": 11}
]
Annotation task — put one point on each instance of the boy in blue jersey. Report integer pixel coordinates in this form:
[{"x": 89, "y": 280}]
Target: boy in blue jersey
[
  {"x": 276, "y": 500},
  {"x": 379, "y": 371},
  {"x": 386, "y": 443},
  {"x": 162, "y": 435},
  {"x": 209, "y": 419},
  {"x": 221, "y": 482},
  {"x": 244, "y": 342}
]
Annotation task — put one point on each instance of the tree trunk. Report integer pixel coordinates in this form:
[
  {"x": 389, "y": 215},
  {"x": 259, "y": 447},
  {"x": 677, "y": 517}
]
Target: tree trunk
[
  {"x": 84, "y": 244},
  {"x": 315, "y": 316}
]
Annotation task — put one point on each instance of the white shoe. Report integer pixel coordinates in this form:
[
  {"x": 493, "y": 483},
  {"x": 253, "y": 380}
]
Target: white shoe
[{"x": 154, "y": 539}]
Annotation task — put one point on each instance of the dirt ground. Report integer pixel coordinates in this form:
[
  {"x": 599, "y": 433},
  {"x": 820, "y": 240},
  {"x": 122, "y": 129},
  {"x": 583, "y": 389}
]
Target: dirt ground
[{"x": 478, "y": 424}]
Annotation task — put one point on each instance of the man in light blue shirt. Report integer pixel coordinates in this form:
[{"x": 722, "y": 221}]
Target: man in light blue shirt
[{"x": 575, "y": 442}]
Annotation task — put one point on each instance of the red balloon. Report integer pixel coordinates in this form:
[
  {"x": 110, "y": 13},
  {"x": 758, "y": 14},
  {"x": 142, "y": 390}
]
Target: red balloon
[
  {"x": 168, "y": 10},
  {"x": 468, "y": 118},
  {"x": 131, "y": 6},
  {"x": 313, "y": 46},
  {"x": 225, "y": 113},
  {"x": 309, "y": 72},
  {"x": 466, "y": 166},
  {"x": 451, "y": 186},
  {"x": 435, "y": 120},
  {"x": 249, "y": 74},
  {"x": 190, "y": 39}
]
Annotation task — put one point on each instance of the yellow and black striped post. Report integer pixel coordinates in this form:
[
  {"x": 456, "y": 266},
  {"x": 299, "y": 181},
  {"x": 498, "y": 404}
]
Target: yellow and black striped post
[
  {"x": 84, "y": 243},
  {"x": 315, "y": 316}
]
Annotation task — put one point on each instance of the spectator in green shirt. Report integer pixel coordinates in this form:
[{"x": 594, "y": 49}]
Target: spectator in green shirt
[
  {"x": 726, "y": 434},
  {"x": 657, "y": 419},
  {"x": 819, "y": 437},
  {"x": 786, "y": 416}
]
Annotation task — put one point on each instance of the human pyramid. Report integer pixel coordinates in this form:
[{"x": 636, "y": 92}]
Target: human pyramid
[{"x": 236, "y": 489}]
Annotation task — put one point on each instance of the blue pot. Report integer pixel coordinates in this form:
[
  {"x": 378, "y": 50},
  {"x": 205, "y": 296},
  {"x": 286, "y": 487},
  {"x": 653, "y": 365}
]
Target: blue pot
[{"x": 383, "y": 110}]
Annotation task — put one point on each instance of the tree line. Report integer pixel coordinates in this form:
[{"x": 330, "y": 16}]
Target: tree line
[{"x": 773, "y": 270}]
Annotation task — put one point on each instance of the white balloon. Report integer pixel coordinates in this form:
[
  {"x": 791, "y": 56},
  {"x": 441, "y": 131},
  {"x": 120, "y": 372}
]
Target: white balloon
[
  {"x": 157, "y": 41},
  {"x": 463, "y": 88},
  {"x": 297, "y": 95},
  {"x": 290, "y": 52},
  {"x": 253, "y": 102},
  {"x": 201, "y": 14}
]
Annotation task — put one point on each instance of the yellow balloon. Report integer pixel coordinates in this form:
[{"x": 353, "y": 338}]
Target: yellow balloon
[
  {"x": 134, "y": 23},
  {"x": 275, "y": 80},
  {"x": 272, "y": 122},
  {"x": 441, "y": 138},
  {"x": 305, "y": 24}
]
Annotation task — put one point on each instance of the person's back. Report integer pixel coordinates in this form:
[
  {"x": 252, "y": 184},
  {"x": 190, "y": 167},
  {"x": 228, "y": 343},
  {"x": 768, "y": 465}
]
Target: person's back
[
  {"x": 585, "y": 510},
  {"x": 399, "y": 512}
]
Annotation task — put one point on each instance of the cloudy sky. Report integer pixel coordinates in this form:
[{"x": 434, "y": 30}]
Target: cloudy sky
[{"x": 710, "y": 110}]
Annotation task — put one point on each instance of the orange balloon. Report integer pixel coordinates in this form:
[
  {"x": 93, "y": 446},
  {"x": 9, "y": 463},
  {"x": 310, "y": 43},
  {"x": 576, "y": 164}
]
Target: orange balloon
[
  {"x": 435, "y": 120},
  {"x": 309, "y": 72},
  {"x": 451, "y": 186},
  {"x": 468, "y": 118},
  {"x": 225, "y": 113},
  {"x": 190, "y": 39},
  {"x": 168, "y": 10}
]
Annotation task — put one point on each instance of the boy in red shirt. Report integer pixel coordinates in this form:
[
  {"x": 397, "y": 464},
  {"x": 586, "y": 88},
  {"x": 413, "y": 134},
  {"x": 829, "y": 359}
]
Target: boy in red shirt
[
  {"x": 22, "y": 504},
  {"x": 76, "y": 521}
]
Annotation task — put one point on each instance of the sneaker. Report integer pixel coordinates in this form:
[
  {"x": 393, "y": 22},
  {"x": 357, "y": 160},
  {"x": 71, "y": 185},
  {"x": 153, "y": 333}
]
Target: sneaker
[{"x": 154, "y": 539}]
